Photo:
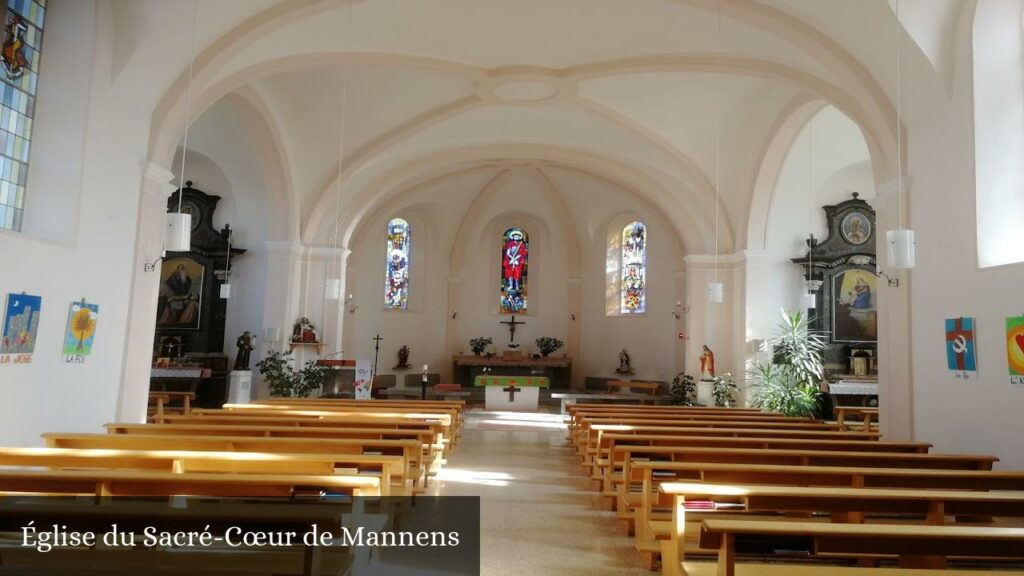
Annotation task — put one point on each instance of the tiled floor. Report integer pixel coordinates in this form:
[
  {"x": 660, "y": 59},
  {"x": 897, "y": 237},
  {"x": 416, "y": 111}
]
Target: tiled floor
[{"x": 538, "y": 515}]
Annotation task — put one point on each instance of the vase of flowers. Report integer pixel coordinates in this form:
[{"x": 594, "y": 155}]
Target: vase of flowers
[
  {"x": 547, "y": 345},
  {"x": 478, "y": 345}
]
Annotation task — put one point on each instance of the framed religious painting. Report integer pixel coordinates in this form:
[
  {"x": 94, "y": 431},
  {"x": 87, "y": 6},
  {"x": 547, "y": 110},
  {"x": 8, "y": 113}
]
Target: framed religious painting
[
  {"x": 855, "y": 227},
  {"x": 180, "y": 303},
  {"x": 854, "y": 314}
]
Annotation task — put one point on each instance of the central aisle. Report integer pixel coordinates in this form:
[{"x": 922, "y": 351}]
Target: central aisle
[{"x": 538, "y": 517}]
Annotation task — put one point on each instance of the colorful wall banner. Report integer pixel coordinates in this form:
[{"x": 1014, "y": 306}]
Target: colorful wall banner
[
  {"x": 961, "y": 356},
  {"x": 21, "y": 327},
  {"x": 1015, "y": 349}
]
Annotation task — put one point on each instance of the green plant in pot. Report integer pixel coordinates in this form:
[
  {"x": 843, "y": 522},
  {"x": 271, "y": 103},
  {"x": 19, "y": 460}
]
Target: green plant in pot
[
  {"x": 547, "y": 345},
  {"x": 478, "y": 345},
  {"x": 683, "y": 391},
  {"x": 723, "y": 390},
  {"x": 277, "y": 370},
  {"x": 788, "y": 384}
]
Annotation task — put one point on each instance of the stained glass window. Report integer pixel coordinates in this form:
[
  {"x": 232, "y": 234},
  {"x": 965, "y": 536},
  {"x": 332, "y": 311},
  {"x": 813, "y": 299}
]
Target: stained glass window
[
  {"x": 515, "y": 252},
  {"x": 22, "y": 42},
  {"x": 396, "y": 291},
  {"x": 634, "y": 268}
]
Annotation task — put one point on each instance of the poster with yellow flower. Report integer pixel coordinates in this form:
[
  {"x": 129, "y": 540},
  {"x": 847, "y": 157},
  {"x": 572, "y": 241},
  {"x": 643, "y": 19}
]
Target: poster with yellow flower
[
  {"x": 1015, "y": 348},
  {"x": 81, "y": 330}
]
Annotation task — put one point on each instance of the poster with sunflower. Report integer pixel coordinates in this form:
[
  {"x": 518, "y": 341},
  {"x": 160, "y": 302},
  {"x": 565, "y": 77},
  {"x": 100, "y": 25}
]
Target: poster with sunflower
[
  {"x": 81, "y": 331},
  {"x": 1015, "y": 348}
]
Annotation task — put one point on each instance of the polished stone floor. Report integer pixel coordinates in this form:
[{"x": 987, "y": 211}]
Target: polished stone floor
[{"x": 538, "y": 515}]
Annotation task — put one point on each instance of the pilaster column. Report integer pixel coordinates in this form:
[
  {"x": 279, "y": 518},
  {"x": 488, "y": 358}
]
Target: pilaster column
[
  {"x": 156, "y": 187},
  {"x": 452, "y": 344},
  {"x": 573, "y": 347},
  {"x": 895, "y": 360}
]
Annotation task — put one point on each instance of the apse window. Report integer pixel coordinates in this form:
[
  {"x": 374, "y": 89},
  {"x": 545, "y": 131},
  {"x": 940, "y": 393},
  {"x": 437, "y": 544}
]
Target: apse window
[
  {"x": 633, "y": 290},
  {"x": 515, "y": 254},
  {"x": 22, "y": 43},
  {"x": 396, "y": 291}
]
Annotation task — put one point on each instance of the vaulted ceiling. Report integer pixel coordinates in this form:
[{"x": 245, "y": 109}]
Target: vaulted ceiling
[{"x": 660, "y": 97}]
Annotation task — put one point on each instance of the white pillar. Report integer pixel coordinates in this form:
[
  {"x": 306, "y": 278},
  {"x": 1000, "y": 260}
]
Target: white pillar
[{"x": 149, "y": 235}]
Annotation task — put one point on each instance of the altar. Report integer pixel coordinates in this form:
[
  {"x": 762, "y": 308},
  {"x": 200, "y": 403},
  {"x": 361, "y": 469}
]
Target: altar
[
  {"x": 511, "y": 392},
  {"x": 557, "y": 369}
]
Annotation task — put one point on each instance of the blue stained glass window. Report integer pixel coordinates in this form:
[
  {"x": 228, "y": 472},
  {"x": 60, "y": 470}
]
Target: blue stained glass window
[
  {"x": 396, "y": 286},
  {"x": 22, "y": 45},
  {"x": 634, "y": 269},
  {"x": 515, "y": 253}
]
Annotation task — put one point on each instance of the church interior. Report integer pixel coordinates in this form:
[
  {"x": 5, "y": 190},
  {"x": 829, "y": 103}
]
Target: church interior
[{"x": 679, "y": 286}]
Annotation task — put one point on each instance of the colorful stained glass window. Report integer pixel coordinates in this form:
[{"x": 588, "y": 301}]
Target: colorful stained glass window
[
  {"x": 634, "y": 268},
  {"x": 396, "y": 291},
  {"x": 22, "y": 42},
  {"x": 515, "y": 252}
]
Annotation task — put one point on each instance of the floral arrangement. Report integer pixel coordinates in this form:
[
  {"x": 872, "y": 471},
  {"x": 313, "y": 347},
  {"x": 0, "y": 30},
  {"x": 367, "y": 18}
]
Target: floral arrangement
[
  {"x": 723, "y": 389},
  {"x": 683, "y": 391},
  {"x": 478, "y": 345},
  {"x": 548, "y": 345},
  {"x": 277, "y": 370}
]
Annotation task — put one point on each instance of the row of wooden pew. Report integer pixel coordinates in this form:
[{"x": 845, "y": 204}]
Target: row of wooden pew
[
  {"x": 298, "y": 451},
  {"x": 692, "y": 482}
]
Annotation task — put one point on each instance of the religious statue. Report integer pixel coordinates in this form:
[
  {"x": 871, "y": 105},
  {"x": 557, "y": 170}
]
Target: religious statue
[
  {"x": 624, "y": 363},
  {"x": 707, "y": 362},
  {"x": 304, "y": 331},
  {"x": 403, "y": 358},
  {"x": 246, "y": 342}
]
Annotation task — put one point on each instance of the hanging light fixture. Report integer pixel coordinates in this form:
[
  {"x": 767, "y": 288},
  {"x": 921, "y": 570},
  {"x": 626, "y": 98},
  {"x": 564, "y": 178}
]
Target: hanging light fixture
[
  {"x": 716, "y": 291},
  {"x": 807, "y": 298},
  {"x": 178, "y": 225},
  {"x": 332, "y": 289},
  {"x": 225, "y": 288},
  {"x": 900, "y": 242}
]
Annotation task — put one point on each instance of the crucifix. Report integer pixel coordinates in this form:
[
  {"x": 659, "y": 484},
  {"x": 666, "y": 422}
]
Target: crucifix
[
  {"x": 512, "y": 331},
  {"x": 511, "y": 392},
  {"x": 376, "y": 351}
]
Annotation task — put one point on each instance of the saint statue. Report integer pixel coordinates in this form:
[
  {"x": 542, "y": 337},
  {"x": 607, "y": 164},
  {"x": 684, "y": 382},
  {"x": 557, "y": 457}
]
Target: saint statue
[
  {"x": 403, "y": 357},
  {"x": 624, "y": 363},
  {"x": 246, "y": 342},
  {"x": 304, "y": 331},
  {"x": 707, "y": 362}
]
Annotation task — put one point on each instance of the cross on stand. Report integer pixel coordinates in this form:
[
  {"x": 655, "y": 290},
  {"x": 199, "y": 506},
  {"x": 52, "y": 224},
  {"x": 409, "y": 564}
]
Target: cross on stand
[
  {"x": 511, "y": 392},
  {"x": 376, "y": 352},
  {"x": 512, "y": 333}
]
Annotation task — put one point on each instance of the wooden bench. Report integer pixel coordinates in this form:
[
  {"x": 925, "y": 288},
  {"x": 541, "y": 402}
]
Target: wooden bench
[
  {"x": 165, "y": 402},
  {"x": 421, "y": 411},
  {"x": 410, "y": 450},
  {"x": 864, "y": 413},
  {"x": 846, "y": 505},
  {"x": 387, "y": 468},
  {"x": 567, "y": 399},
  {"x": 648, "y": 388},
  {"x": 916, "y": 546},
  {"x": 145, "y": 483}
]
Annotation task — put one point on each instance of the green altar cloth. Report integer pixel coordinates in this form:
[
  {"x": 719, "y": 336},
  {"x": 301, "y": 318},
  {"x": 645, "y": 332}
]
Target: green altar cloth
[{"x": 520, "y": 381}]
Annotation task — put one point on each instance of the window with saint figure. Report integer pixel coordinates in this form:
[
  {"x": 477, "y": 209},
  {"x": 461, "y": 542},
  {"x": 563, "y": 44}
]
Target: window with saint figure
[
  {"x": 633, "y": 291},
  {"x": 396, "y": 284},
  {"x": 515, "y": 252}
]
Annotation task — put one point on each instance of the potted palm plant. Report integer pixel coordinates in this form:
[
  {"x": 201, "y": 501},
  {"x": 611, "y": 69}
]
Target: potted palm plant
[{"x": 788, "y": 383}]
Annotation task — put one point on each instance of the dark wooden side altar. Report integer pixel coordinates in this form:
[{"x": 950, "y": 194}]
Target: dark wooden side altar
[
  {"x": 190, "y": 312},
  {"x": 558, "y": 369}
]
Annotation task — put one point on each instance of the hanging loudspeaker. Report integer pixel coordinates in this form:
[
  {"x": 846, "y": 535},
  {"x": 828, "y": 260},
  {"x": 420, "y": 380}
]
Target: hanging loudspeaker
[
  {"x": 178, "y": 233},
  {"x": 716, "y": 292},
  {"x": 225, "y": 291},
  {"x": 333, "y": 289},
  {"x": 901, "y": 249}
]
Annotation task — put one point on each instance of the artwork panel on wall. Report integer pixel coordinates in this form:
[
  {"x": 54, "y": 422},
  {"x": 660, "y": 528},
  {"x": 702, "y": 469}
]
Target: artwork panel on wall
[
  {"x": 1015, "y": 349},
  {"x": 21, "y": 325},
  {"x": 854, "y": 315},
  {"x": 81, "y": 330},
  {"x": 961, "y": 356},
  {"x": 181, "y": 294}
]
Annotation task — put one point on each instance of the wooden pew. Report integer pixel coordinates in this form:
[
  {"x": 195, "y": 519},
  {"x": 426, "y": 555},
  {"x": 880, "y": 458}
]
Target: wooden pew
[
  {"x": 917, "y": 546},
  {"x": 145, "y": 439},
  {"x": 847, "y": 505},
  {"x": 648, "y": 526},
  {"x": 425, "y": 412},
  {"x": 588, "y": 448},
  {"x": 458, "y": 406},
  {"x": 863, "y": 412},
  {"x": 146, "y": 483},
  {"x": 387, "y": 468}
]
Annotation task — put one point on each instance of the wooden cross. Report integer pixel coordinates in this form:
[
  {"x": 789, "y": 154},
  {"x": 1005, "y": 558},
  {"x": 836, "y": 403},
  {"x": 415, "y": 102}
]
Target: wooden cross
[
  {"x": 511, "y": 392},
  {"x": 512, "y": 329}
]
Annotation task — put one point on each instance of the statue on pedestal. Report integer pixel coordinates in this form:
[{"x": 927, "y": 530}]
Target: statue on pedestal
[
  {"x": 304, "y": 331},
  {"x": 624, "y": 363},
  {"x": 707, "y": 362},
  {"x": 403, "y": 358},
  {"x": 246, "y": 342}
]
